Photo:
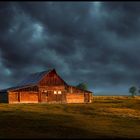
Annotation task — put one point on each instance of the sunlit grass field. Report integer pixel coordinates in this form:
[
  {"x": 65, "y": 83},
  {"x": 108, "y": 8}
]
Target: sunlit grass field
[{"x": 104, "y": 118}]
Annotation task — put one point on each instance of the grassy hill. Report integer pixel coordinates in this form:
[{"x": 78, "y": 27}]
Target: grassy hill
[{"x": 104, "y": 118}]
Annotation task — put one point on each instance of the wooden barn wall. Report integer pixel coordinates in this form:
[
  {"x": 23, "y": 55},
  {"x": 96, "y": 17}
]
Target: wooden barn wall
[
  {"x": 4, "y": 97},
  {"x": 51, "y": 88},
  {"x": 29, "y": 97},
  {"x": 23, "y": 97},
  {"x": 13, "y": 97},
  {"x": 75, "y": 98},
  {"x": 75, "y": 91}
]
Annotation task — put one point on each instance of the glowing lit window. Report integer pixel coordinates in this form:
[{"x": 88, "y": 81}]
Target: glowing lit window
[
  {"x": 59, "y": 92},
  {"x": 55, "y": 92}
]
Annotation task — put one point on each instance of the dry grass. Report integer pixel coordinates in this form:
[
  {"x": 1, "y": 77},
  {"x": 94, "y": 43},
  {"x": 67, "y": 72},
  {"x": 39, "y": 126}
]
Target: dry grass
[{"x": 104, "y": 118}]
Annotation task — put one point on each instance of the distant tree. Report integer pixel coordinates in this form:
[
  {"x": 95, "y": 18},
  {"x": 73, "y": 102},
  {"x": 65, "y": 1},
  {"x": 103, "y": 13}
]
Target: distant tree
[
  {"x": 133, "y": 91},
  {"x": 82, "y": 86}
]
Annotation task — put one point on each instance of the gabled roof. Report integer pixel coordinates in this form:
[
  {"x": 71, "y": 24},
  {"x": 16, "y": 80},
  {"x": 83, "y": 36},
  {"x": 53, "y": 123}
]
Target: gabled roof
[
  {"x": 33, "y": 78},
  {"x": 30, "y": 80}
]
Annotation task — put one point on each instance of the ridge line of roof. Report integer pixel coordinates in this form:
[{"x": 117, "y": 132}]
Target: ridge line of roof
[{"x": 28, "y": 84}]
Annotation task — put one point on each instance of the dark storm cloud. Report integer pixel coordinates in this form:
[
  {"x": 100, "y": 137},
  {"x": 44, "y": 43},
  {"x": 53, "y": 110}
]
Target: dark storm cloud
[
  {"x": 93, "y": 42},
  {"x": 126, "y": 18}
]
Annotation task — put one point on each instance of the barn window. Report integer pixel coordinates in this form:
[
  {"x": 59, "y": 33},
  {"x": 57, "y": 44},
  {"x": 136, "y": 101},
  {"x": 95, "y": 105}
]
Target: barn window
[
  {"x": 55, "y": 92},
  {"x": 59, "y": 92}
]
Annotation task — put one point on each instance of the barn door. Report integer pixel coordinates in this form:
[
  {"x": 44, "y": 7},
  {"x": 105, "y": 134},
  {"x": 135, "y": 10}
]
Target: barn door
[
  {"x": 43, "y": 97},
  {"x": 56, "y": 96}
]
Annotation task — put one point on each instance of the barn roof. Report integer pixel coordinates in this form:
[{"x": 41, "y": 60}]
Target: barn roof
[
  {"x": 30, "y": 80},
  {"x": 33, "y": 78},
  {"x": 80, "y": 89}
]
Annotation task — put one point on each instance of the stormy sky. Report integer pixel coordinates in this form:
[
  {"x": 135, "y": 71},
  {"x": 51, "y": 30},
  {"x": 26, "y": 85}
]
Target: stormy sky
[{"x": 93, "y": 42}]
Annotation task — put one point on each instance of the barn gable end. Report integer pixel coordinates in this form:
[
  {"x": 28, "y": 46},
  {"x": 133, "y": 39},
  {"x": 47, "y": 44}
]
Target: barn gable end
[{"x": 52, "y": 79}]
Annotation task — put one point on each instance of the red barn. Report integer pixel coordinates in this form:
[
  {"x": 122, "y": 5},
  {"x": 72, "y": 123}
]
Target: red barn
[{"x": 45, "y": 87}]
